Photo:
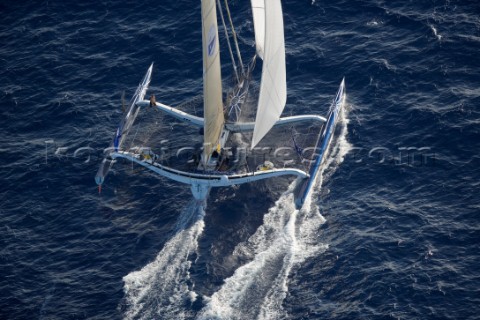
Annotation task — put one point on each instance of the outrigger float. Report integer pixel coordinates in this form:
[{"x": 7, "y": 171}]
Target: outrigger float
[{"x": 221, "y": 162}]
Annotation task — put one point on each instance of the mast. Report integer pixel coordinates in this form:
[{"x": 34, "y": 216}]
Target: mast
[
  {"x": 273, "y": 87},
  {"x": 212, "y": 80}
]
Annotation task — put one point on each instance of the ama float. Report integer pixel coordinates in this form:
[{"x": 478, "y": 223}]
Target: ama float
[{"x": 228, "y": 154}]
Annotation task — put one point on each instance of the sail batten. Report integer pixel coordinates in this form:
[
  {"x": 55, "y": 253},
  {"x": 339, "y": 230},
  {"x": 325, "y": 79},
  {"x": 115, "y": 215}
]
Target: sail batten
[
  {"x": 273, "y": 87},
  {"x": 212, "y": 79}
]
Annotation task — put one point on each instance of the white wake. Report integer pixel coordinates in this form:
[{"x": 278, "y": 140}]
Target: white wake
[
  {"x": 161, "y": 287},
  {"x": 287, "y": 237},
  {"x": 256, "y": 290}
]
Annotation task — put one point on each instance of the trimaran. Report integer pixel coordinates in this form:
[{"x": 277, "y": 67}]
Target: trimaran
[{"x": 217, "y": 164}]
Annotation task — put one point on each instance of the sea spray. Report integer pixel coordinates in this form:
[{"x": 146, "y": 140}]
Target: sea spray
[
  {"x": 161, "y": 288},
  {"x": 243, "y": 293},
  {"x": 287, "y": 237}
]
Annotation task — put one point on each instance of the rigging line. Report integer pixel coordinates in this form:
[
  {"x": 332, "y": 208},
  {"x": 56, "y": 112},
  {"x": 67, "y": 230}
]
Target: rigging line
[
  {"x": 298, "y": 149},
  {"x": 228, "y": 40},
  {"x": 234, "y": 36},
  {"x": 316, "y": 144},
  {"x": 133, "y": 140},
  {"x": 295, "y": 145}
]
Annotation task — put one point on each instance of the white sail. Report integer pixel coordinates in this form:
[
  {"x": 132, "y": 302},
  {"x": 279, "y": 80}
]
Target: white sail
[
  {"x": 212, "y": 79},
  {"x": 258, "y": 9},
  {"x": 273, "y": 88}
]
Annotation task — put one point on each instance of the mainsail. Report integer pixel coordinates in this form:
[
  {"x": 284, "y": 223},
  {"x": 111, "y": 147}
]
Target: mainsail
[
  {"x": 273, "y": 88},
  {"x": 212, "y": 79}
]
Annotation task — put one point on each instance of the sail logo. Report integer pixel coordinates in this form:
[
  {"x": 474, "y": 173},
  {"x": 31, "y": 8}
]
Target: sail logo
[{"x": 211, "y": 40}]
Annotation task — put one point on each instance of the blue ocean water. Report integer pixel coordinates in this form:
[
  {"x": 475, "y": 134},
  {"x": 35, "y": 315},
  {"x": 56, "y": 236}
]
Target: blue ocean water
[{"x": 392, "y": 229}]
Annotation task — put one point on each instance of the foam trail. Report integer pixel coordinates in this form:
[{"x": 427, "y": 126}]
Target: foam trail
[
  {"x": 160, "y": 289},
  {"x": 242, "y": 294},
  {"x": 287, "y": 237}
]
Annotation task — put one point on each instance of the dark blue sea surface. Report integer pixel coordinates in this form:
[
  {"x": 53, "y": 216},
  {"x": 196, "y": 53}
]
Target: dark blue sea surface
[{"x": 391, "y": 232}]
